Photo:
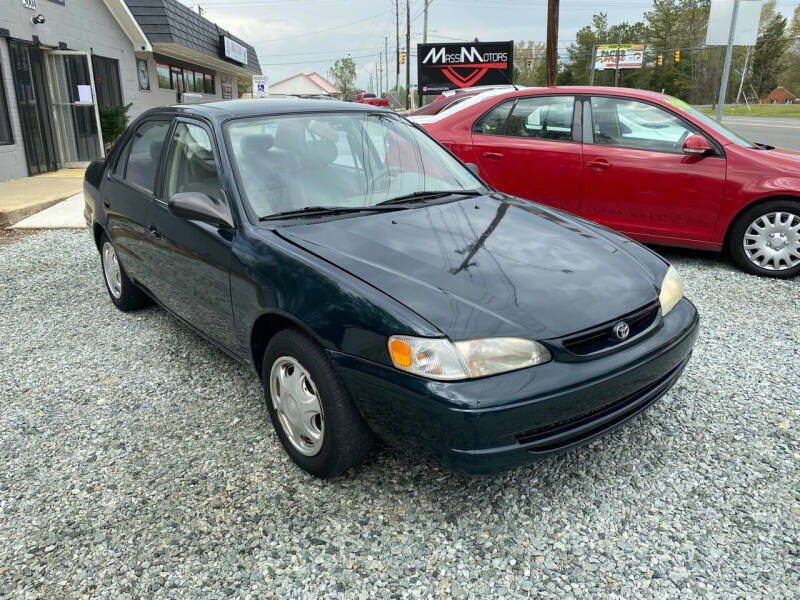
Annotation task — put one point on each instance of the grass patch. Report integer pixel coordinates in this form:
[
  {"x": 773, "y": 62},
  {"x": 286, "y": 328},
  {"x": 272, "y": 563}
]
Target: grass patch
[{"x": 759, "y": 110}]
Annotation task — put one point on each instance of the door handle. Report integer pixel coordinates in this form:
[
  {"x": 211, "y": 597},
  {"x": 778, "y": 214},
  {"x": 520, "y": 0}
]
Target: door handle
[
  {"x": 601, "y": 164},
  {"x": 493, "y": 155},
  {"x": 154, "y": 233}
]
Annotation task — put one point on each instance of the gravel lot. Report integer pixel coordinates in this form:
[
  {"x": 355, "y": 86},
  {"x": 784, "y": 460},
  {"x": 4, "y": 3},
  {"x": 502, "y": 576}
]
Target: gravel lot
[{"x": 139, "y": 462}]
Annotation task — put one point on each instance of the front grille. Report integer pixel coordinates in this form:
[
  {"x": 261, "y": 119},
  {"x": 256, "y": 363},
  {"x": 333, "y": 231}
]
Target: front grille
[
  {"x": 588, "y": 424},
  {"x": 602, "y": 337}
]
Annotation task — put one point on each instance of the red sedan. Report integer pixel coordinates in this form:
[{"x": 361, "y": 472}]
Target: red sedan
[
  {"x": 643, "y": 163},
  {"x": 371, "y": 99}
]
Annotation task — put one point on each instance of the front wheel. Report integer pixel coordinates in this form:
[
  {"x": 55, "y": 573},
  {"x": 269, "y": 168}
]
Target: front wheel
[
  {"x": 765, "y": 239},
  {"x": 312, "y": 413}
]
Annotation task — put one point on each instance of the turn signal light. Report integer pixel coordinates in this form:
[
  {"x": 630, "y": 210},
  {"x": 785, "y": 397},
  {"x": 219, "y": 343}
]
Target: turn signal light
[{"x": 401, "y": 353}]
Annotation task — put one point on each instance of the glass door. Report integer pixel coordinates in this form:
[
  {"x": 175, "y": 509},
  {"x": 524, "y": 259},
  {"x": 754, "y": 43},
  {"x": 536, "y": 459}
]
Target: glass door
[
  {"x": 74, "y": 103},
  {"x": 28, "y": 73}
]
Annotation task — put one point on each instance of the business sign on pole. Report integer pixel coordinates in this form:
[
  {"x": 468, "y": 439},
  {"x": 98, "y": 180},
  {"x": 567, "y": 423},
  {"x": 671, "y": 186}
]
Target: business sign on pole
[
  {"x": 619, "y": 56},
  {"x": 719, "y": 22},
  {"x": 260, "y": 86},
  {"x": 442, "y": 67}
]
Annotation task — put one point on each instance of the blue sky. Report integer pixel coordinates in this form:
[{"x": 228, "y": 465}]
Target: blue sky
[{"x": 292, "y": 36}]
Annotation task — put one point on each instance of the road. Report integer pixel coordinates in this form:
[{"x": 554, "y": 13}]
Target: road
[{"x": 783, "y": 133}]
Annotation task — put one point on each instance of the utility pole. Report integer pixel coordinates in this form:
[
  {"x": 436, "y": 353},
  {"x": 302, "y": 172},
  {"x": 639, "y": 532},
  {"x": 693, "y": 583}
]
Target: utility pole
[
  {"x": 378, "y": 78},
  {"x": 594, "y": 61},
  {"x": 386, "y": 59},
  {"x": 552, "y": 42},
  {"x": 726, "y": 69},
  {"x": 425, "y": 24},
  {"x": 408, "y": 53},
  {"x": 397, "y": 35}
]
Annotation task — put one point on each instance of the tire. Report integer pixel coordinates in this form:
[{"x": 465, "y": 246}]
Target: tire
[
  {"x": 122, "y": 291},
  {"x": 345, "y": 438},
  {"x": 780, "y": 222}
]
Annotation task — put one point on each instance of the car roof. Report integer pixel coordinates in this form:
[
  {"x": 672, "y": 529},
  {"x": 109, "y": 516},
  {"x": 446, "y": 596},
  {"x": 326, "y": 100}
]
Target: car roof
[
  {"x": 586, "y": 90},
  {"x": 229, "y": 109},
  {"x": 464, "y": 102}
]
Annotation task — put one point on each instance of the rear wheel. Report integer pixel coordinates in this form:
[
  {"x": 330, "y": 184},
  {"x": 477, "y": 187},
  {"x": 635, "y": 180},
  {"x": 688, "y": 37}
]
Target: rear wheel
[
  {"x": 123, "y": 292},
  {"x": 312, "y": 413},
  {"x": 765, "y": 239}
]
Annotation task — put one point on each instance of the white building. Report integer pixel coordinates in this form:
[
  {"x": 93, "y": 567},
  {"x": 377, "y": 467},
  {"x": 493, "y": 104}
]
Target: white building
[
  {"x": 303, "y": 84},
  {"x": 61, "y": 61}
]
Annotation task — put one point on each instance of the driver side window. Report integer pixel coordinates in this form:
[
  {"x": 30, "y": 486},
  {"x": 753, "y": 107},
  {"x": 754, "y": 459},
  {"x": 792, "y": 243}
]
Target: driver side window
[
  {"x": 191, "y": 166},
  {"x": 637, "y": 125}
]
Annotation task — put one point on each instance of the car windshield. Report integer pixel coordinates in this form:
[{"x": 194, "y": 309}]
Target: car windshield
[
  {"x": 355, "y": 159},
  {"x": 711, "y": 123}
]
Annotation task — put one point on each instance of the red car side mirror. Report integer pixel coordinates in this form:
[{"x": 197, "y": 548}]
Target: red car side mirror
[{"x": 697, "y": 145}]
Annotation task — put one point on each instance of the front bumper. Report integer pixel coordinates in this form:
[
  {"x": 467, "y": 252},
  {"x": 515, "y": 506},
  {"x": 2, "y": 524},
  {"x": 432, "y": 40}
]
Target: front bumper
[{"x": 486, "y": 424}]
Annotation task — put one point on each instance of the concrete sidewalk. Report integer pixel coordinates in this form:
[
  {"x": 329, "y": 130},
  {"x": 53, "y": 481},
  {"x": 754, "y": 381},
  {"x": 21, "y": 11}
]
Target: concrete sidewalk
[
  {"x": 67, "y": 214},
  {"x": 20, "y": 198}
]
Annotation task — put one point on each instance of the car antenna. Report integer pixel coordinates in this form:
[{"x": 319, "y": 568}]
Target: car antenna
[{"x": 514, "y": 85}]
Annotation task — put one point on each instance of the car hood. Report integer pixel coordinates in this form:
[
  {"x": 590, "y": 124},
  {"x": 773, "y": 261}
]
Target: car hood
[{"x": 489, "y": 266}]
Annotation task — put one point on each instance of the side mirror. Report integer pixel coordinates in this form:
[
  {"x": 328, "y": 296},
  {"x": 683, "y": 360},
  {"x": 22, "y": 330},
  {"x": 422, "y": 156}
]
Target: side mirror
[
  {"x": 697, "y": 145},
  {"x": 197, "y": 206},
  {"x": 473, "y": 168}
]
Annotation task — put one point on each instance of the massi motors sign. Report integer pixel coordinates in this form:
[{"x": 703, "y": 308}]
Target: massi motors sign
[{"x": 442, "y": 67}]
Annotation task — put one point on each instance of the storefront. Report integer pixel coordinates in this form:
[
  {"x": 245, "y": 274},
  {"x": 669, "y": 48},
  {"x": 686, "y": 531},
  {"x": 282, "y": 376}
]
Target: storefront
[{"x": 65, "y": 64}]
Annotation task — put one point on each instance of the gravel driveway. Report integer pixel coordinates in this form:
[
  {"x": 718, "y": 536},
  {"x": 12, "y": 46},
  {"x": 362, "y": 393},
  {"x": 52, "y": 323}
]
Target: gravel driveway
[{"x": 139, "y": 462}]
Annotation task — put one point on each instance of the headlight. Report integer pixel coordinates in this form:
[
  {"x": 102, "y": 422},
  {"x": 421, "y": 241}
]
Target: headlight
[
  {"x": 671, "y": 291},
  {"x": 439, "y": 358}
]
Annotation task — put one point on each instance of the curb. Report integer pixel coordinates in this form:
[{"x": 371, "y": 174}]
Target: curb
[{"x": 9, "y": 217}]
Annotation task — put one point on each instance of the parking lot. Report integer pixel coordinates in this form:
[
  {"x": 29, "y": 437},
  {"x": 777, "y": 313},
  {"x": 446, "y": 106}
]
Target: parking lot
[{"x": 139, "y": 462}]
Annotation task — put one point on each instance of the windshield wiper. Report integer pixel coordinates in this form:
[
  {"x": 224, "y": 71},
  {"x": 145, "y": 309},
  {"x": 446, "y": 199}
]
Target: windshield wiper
[
  {"x": 429, "y": 195},
  {"x": 308, "y": 211},
  {"x": 761, "y": 146}
]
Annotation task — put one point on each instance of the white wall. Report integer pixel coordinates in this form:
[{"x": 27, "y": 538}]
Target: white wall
[
  {"x": 295, "y": 85},
  {"x": 12, "y": 157}
]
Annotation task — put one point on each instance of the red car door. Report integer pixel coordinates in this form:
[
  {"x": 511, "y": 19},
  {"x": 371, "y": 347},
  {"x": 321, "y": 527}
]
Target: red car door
[
  {"x": 636, "y": 178},
  {"x": 529, "y": 147}
]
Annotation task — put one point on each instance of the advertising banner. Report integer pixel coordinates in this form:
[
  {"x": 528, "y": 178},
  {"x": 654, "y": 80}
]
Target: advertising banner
[
  {"x": 630, "y": 56},
  {"x": 443, "y": 67}
]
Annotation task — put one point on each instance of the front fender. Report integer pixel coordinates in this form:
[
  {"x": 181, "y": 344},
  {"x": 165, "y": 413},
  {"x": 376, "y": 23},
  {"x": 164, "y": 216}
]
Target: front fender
[{"x": 270, "y": 275}]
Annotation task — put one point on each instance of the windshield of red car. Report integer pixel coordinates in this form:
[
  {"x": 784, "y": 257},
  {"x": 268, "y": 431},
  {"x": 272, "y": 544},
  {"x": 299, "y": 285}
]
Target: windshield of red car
[
  {"x": 290, "y": 162},
  {"x": 711, "y": 123}
]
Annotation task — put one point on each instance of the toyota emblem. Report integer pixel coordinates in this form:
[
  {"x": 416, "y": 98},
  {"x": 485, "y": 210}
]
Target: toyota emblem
[{"x": 622, "y": 330}]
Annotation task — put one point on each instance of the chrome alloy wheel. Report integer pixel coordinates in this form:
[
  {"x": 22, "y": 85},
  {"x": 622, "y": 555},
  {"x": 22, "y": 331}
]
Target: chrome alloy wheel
[
  {"x": 772, "y": 241},
  {"x": 296, "y": 402},
  {"x": 112, "y": 270}
]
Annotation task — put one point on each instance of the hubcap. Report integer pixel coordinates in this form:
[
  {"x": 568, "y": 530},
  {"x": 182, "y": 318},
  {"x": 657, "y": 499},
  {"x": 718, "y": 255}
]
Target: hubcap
[
  {"x": 772, "y": 241},
  {"x": 112, "y": 270},
  {"x": 296, "y": 402}
]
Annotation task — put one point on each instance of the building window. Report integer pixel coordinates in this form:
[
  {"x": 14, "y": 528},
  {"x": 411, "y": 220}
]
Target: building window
[
  {"x": 5, "y": 123},
  {"x": 180, "y": 79},
  {"x": 163, "y": 76},
  {"x": 188, "y": 80},
  {"x": 142, "y": 75}
]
